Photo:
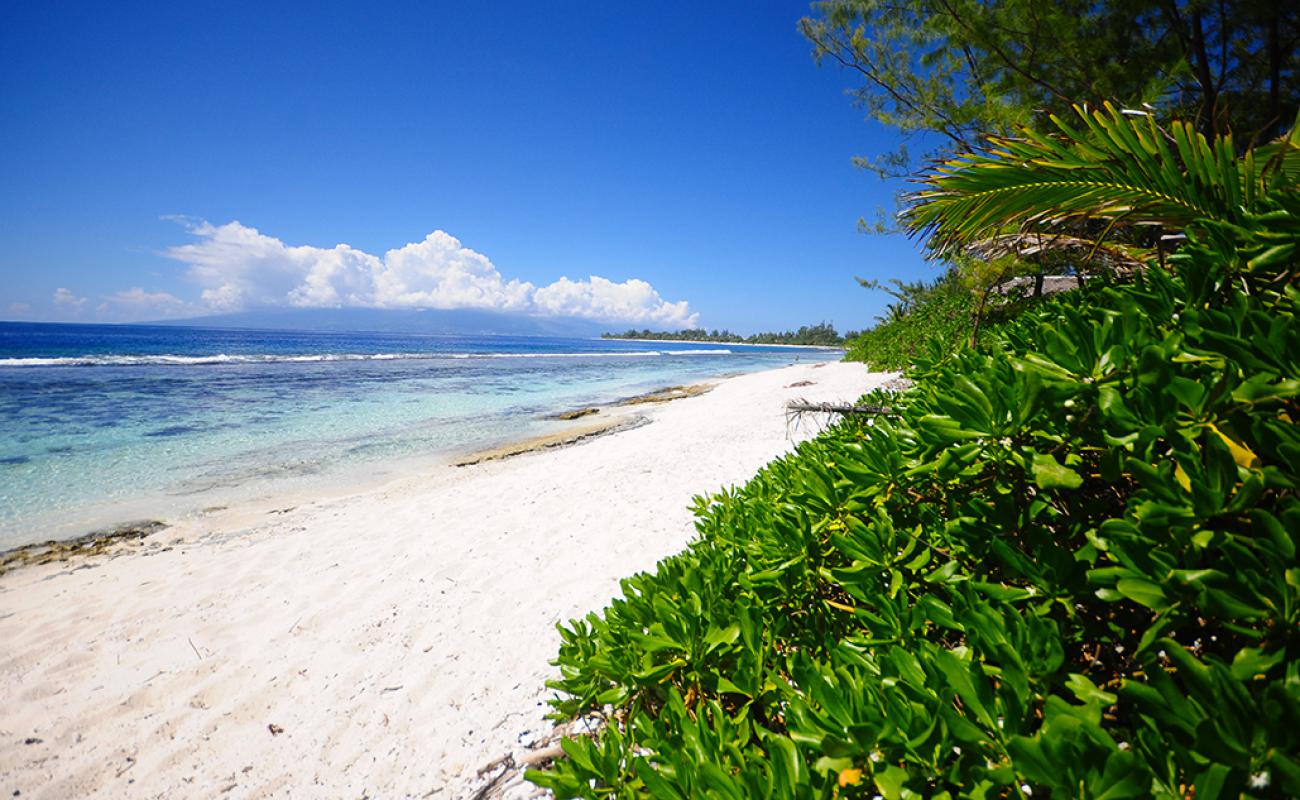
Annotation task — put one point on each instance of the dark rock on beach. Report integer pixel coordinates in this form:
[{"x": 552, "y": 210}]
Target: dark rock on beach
[{"x": 90, "y": 544}]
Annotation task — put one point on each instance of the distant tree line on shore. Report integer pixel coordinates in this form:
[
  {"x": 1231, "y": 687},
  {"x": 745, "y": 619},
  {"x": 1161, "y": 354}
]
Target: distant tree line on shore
[{"x": 822, "y": 334}]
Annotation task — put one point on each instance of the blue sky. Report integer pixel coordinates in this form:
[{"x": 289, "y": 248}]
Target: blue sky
[{"x": 681, "y": 152}]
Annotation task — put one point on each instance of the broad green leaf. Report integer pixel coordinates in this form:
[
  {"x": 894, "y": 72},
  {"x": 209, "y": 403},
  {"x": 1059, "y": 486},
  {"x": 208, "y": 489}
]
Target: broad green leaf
[
  {"x": 1143, "y": 592},
  {"x": 1051, "y": 474}
]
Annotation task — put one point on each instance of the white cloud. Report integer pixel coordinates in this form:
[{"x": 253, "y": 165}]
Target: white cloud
[
  {"x": 240, "y": 267},
  {"x": 64, "y": 298},
  {"x": 439, "y": 273},
  {"x": 631, "y": 301}
]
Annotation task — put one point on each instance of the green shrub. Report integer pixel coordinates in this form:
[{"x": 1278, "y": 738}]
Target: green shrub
[
  {"x": 1064, "y": 565},
  {"x": 931, "y": 318},
  {"x": 1068, "y": 565}
]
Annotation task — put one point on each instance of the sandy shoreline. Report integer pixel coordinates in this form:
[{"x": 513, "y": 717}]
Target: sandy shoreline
[
  {"x": 119, "y": 537},
  {"x": 388, "y": 642}
]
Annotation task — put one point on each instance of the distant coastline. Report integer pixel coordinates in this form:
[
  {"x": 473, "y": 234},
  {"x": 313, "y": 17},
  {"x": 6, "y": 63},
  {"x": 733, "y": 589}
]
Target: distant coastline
[
  {"x": 822, "y": 334},
  {"x": 728, "y": 344}
]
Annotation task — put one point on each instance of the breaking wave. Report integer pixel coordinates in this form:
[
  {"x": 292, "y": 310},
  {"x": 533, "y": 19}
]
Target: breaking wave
[{"x": 222, "y": 358}]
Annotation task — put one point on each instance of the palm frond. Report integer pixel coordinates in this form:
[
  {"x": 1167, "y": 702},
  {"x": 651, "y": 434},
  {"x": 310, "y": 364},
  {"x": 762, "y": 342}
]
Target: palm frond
[{"x": 1115, "y": 167}]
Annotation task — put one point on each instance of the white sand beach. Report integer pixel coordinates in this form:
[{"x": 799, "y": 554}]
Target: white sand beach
[{"x": 384, "y": 643}]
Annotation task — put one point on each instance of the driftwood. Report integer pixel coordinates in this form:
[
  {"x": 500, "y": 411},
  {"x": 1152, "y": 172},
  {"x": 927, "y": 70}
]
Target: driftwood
[
  {"x": 799, "y": 407},
  {"x": 797, "y": 410},
  {"x": 505, "y": 774}
]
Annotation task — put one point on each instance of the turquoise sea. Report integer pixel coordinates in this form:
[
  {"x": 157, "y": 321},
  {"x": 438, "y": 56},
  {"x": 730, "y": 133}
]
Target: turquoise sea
[{"x": 101, "y": 424}]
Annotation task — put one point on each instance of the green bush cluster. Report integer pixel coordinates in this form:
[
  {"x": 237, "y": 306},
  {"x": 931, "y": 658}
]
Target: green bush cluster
[
  {"x": 1065, "y": 565},
  {"x": 932, "y": 318},
  {"x": 939, "y": 314}
]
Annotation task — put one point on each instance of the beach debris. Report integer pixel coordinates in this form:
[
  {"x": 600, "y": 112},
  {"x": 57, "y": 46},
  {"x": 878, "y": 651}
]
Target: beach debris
[
  {"x": 507, "y": 717},
  {"x": 32, "y": 740},
  {"x": 503, "y": 770},
  {"x": 797, "y": 384},
  {"x": 195, "y": 649},
  {"x": 577, "y": 414},
  {"x": 94, "y": 543},
  {"x": 541, "y": 757},
  {"x": 797, "y": 410},
  {"x": 275, "y": 730},
  {"x": 796, "y": 407},
  {"x": 507, "y": 771}
]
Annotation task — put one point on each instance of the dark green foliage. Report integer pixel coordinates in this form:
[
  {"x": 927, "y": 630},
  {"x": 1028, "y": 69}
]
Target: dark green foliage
[
  {"x": 939, "y": 314},
  {"x": 965, "y": 69},
  {"x": 933, "y": 318},
  {"x": 821, "y": 335},
  {"x": 1067, "y": 566}
]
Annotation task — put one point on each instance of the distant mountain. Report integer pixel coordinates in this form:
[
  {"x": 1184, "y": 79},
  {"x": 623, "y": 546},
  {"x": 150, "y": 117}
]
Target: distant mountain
[{"x": 465, "y": 322}]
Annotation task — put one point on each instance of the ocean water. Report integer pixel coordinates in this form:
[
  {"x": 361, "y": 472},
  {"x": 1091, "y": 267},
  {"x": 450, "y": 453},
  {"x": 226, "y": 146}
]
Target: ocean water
[{"x": 101, "y": 424}]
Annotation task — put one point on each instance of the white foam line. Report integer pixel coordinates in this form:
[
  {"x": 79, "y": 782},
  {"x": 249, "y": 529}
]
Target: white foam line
[{"x": 222, "y": 358}]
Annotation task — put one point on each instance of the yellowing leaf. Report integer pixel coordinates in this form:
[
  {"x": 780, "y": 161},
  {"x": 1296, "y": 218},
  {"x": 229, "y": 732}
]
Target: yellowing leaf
[
  {"x": 1243, "y": 455},
  {"x": 1181, "y": 476},
  {"x": 850, "y": 777}
]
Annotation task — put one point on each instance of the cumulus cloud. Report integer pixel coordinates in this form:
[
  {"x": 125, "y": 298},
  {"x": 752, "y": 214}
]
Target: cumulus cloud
[
  {"x": 68, "y": 302},
  {"x": 633, "y": 300},
  {"x": 239, "y": 267},
  {"x": 63, "y": 298}
]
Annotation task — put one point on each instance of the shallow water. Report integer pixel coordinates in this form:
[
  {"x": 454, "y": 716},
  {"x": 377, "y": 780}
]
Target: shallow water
[{"x": 103, "y": 423}]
